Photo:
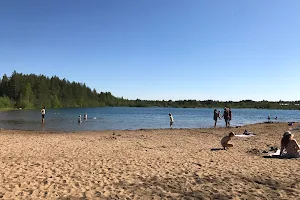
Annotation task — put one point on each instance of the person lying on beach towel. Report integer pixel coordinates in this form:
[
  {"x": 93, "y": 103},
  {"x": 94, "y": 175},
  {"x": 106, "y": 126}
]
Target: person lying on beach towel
[
  {"x": 248, "y": 133},
  {"x": 291, "y": 123},
  {"x": 289, "y": 146},
  {"x": 226, "y": 139}
]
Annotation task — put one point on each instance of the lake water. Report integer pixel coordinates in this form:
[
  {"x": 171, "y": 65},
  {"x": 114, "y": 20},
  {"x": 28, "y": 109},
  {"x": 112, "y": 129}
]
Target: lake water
[{"x": 122, "y": 118}]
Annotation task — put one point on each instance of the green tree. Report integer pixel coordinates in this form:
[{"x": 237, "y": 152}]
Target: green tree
[{"x": 27, "y": 97}]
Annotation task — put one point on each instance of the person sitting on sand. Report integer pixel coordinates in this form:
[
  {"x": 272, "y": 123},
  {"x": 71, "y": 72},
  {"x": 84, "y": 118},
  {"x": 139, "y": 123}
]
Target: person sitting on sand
[
  {"x": 290, "y": 145},
  {"x": 171, "y": 120},
  {"x": 226, "y": 139}
]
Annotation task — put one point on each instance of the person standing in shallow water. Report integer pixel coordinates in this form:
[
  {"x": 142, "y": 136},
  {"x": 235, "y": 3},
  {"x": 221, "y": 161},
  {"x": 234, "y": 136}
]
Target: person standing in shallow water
[
  {"x": 226, "y": 116},
  {"x": 171, "y": 120},
  {"x": 43, "y": 112},
  {"x": 216, "y": 116},
  {"x": 79, "y": 119}
]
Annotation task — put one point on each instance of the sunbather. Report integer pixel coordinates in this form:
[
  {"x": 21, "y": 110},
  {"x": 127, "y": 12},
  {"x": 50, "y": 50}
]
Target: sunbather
[{"x": 289, "y": 146}]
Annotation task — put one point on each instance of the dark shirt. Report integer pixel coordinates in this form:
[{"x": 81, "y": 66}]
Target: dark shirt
[
  {"x": 226, "y": 115},
  {"x": 216, "y": 115}
]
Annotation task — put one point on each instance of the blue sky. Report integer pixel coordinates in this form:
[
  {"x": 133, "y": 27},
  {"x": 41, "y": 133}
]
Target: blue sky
[{"x": 159, "y": 49}]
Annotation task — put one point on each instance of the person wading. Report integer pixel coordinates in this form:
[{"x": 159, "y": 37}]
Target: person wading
[{"x": 43, "y": 112}]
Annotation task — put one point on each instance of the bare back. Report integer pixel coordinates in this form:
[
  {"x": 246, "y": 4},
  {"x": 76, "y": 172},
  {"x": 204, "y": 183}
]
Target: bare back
[
  {"x": 225, "y": 140},
  {"x": 292, "y": 149},
  {"x": 292, "y": 146}
]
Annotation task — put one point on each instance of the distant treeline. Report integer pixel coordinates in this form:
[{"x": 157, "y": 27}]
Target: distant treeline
[{"x": 35, "y": 91}]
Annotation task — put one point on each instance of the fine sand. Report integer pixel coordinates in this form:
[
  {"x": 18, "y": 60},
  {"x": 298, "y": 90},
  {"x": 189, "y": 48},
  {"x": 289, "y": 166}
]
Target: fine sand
[{"x": 146, "y": 164}]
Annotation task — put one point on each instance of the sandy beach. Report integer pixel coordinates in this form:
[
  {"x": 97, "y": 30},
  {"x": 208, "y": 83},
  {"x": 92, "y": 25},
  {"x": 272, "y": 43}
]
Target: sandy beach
[{"x": 146, "y": 164}]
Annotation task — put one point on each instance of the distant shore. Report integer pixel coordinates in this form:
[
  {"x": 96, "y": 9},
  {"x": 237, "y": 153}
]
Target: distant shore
[
  {"x": 145, "y": 164},
  {"x": 211, "y": 107}
]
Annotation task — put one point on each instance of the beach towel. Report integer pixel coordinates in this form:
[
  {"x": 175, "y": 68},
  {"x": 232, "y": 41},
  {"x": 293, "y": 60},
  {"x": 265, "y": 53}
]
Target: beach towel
[
  {"x": 274, "y": 155},
  {"x": 277, "y": 153},
  {"x": 244, "y": 135}
]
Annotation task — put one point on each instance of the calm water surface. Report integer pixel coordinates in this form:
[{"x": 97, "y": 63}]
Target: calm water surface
[{"x": 121, "y": 118}]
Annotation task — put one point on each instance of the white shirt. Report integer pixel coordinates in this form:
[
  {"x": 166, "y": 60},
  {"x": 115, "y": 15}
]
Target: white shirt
[{"x": 43, "y": 111}]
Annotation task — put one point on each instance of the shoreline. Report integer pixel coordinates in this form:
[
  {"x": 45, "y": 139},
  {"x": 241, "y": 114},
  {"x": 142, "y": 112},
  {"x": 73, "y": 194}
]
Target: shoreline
[{"x": 145, "y": 129}]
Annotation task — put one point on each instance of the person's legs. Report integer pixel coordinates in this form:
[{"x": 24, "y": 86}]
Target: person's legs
[
  {"x": 43, "y": 118},
  {"x": 229, "y": 145},
  {"x": 215, "y": 123},
  {"x": 225, "y": 146}
]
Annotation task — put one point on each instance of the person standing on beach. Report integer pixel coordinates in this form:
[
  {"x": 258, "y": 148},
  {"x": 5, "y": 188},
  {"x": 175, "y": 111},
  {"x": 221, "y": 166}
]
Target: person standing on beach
[
  {"x": 171, "y": 120},
  {"x": 43, "y": 111}
]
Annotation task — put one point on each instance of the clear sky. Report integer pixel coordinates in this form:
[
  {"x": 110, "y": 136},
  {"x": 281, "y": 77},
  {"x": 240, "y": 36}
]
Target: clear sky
[{"x": 158, "y": 49}]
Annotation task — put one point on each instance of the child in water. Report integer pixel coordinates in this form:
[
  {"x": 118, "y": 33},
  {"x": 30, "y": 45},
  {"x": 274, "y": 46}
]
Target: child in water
[
  {"x": 79, "y": 119},
  {"x": 226, "y": 139}
]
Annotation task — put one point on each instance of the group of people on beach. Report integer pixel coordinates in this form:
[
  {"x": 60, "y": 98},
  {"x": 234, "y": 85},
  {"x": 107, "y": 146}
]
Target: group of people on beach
[
  {"x": 289, "y": 147},
  {"x": 227, "y": 115}
]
